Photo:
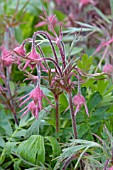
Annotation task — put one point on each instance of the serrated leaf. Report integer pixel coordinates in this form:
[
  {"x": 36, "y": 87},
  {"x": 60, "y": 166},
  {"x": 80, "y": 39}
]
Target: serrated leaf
[
  {"x": 94, "y": 100},
  {"x": 33, "y": 150},
  {"x": 83, "y": 128},
  {"x": 56, "y": 150},
  {"x": 85, "y": 63},
  {"x": 97, "y": 116}
]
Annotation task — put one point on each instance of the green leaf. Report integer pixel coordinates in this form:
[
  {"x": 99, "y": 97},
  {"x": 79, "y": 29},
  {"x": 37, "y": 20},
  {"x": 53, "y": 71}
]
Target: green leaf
[
  {"x": 32, "y": 150},
  {"x": 107, "y": 100},
  {"x": 94, "y": 100},
  {"x": 102, "y": 85},
  {"x": 56, "y": 150},
  {"x": 63, "y": 102},
  {"x": 17, "y": 165},
  {"x": 85, "y": 63},
  {"x": 111, "y": 5},
  {"x": 34, "y": 128},
  {"x": 2, "y": 142},
  {"x": 98, "y": 116},
  {"x": 83, "y": 128}
]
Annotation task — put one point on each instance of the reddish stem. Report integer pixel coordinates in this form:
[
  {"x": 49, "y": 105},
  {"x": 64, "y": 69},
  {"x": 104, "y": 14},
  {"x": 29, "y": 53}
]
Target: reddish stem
[
  {"x": 57, "y": 113},
  {"x": 72, "y": 116}
]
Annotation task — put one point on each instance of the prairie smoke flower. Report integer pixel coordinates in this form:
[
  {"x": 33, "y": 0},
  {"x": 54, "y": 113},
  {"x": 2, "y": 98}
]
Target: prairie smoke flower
[
  {"x": 78, "y": 101},
  {"x": 31, "y": 107},
  {"x": 20, "y": 50},
  {"x": 111, "y": 168},
  {"x": 36, "y": 95},
  {"x": 108, "y": 68},
  {"x": 33, "y": 55},
  {"x": 7, "y": 57}
]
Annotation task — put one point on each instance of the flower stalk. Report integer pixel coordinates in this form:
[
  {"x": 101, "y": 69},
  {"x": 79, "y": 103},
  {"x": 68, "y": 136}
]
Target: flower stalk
[{"x": 73, "y": 118}]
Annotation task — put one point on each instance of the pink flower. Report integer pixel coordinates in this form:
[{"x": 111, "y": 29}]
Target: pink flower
[
  {"x": 111, "y": 168},
  {"x": 31, "y": 107},
  {"x": 108, "y": 68},
  {"x": 20, "y": 50},
  {"x": 7, "y": 57},
  {"x": 33, "y": 56},
  {"x": 78, "y": 101},
  {"x": 36, "y": 95}
]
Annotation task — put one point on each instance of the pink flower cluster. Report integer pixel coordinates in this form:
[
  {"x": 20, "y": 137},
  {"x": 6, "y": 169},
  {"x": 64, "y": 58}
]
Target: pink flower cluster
[{"x": 35, "y": 105}]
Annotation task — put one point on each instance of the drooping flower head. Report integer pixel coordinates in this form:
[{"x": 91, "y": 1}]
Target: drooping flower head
[
  {"x": 21, "y": 51},
  {"x": 108, "y": 68},
  {"x": 31, "y": 108},
  {"x": 78, "y": 101},
  {"x": 33, "y": 56},
  {"x": 36, "y": 95}
]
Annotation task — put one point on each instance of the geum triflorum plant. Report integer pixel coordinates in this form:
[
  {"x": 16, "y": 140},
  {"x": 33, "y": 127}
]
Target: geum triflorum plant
[{"x": 58, "y": 79}]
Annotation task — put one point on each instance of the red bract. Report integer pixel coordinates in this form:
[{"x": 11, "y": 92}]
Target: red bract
[
  {"x": 78, "y": 101},
  {"x": 108, "y": 68},
  {"x": 7, "y": 57}
]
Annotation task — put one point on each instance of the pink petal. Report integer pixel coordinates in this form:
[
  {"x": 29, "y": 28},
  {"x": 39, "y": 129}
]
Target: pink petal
[
  {"x": 24, "y": 101},
  {"x": 86, "y": 109},
  {"x": 36, "y": 113},
  {"x": 77, "y": 110},
  {"x": 25, "y": 113}
]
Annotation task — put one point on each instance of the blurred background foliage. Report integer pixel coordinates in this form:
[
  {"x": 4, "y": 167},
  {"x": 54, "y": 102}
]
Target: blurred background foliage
[{"x": 34, "y": 144}]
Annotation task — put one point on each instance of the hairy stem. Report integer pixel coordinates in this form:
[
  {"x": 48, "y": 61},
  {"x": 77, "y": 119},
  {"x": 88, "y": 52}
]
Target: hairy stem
[
  {"x": 72, "y": 116},
  {"x": 7, "y": 80}
]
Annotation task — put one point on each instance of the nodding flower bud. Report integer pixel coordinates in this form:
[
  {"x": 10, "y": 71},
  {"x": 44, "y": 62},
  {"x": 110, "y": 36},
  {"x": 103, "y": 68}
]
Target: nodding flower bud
[
  {"x": 108, "y": 68},
  {"x": 78, "y": 101},
  {"x": 36, "y": 95},
  {"x": 21, "y": 51},
  {"x": 35, "y": 105},
  {"x": 33, "y": 56},
  {"x": 7, "y": 57}
]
